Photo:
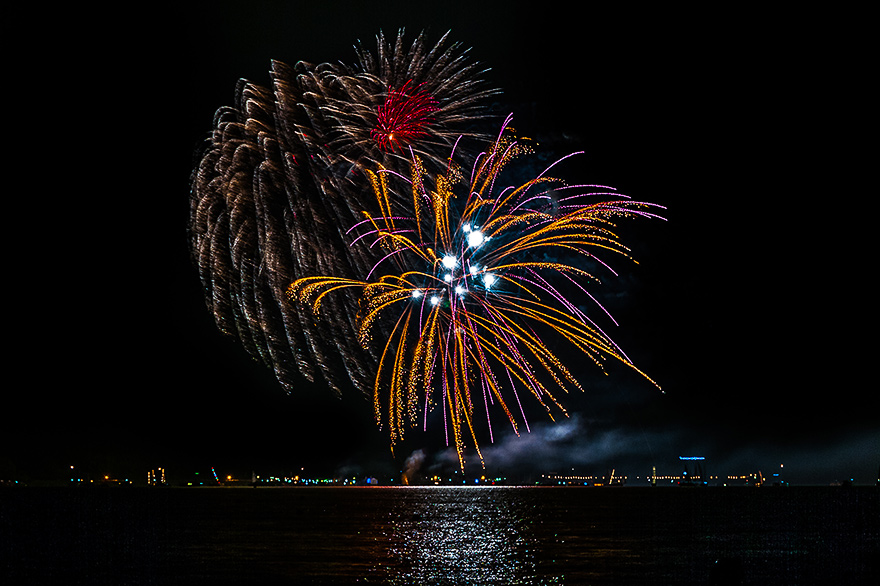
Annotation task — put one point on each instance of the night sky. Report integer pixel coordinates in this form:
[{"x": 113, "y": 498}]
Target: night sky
[{"x": 750, "y": 305}]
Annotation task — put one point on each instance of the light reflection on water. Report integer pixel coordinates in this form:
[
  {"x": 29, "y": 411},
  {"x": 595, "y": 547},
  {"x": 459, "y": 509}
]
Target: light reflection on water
[
  {"x": 473, "y": 535},
  {"x": 442, "y": 535}
]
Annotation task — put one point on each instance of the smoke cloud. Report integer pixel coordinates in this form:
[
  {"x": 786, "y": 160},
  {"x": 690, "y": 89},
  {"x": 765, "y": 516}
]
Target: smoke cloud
[{"x": 412, "y": 467}]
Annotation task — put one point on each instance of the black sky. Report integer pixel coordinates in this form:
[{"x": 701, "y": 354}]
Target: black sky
[{"x": 750, "y": 306}]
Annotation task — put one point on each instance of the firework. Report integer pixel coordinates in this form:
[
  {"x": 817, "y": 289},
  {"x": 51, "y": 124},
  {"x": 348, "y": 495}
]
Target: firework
[
  {"x": 280, "y": 177},
  {"x": 472, "y": 285},
  {"x": 403, "y": 118}
]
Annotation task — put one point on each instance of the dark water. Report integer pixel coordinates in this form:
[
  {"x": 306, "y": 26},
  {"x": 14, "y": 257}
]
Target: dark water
[{"x": 409, "y": 536}]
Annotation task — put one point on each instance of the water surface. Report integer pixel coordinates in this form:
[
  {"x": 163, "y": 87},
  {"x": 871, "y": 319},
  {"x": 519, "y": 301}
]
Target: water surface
[{"x": 441, "y": 535}]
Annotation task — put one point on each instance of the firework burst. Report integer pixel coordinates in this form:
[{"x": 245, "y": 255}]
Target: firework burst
[
  {"x": 281, "y": 176},
  {"x": 466, "y": 293},
  {"x": 403, "y": 118}
]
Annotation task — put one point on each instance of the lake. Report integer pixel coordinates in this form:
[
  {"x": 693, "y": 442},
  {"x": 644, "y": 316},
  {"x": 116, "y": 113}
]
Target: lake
[{"x": 441, "y": 535}]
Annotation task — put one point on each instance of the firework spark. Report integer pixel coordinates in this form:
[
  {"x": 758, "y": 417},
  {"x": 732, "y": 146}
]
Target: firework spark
[
  {"x": 469, "y": 295},
  {"x": 280, "y": 177},
  {"x": 403, "y": 118}
]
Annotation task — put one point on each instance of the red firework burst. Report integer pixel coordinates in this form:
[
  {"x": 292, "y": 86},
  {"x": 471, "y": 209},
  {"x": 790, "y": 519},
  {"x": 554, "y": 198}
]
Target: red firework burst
[{"x": 403, "y": 117}]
